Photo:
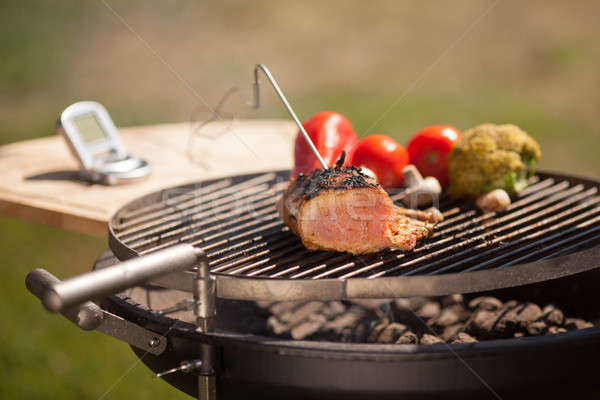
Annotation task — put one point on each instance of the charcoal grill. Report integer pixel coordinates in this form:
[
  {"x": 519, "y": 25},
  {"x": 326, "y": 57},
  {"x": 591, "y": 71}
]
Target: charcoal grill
[{"x": 223, "y": 241}]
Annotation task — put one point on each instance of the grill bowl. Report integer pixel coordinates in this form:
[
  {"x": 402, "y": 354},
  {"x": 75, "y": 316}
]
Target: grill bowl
[{"x": 253, "y": 365}]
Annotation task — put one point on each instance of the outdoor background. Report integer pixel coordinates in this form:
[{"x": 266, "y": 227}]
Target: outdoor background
[{"x": 391, "y": 67}]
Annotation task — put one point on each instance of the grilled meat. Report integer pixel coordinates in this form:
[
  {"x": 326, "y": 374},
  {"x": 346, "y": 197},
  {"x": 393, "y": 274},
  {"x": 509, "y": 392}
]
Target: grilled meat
[{"x": 342, "y": 209}]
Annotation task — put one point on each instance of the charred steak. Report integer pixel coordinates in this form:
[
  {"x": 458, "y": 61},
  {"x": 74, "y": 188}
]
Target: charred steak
[{"x": 342, "y": 209}]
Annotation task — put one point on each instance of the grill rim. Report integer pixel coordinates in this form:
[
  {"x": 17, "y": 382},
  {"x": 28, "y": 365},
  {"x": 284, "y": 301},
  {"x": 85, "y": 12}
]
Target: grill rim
[{"x": 243, "y": 287}]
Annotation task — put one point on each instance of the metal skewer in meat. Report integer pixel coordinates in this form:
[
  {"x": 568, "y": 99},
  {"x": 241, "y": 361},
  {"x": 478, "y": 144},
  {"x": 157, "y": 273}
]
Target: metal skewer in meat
[{"x": 342, "y": 209}]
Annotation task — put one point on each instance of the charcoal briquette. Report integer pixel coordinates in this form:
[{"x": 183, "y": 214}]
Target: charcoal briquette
[
  {"x": 464, "y": 337},
  {"x": 485, "y": 303},
  {"x": 576, "y": 324},
  {"x": 536, "y": 328},
  {"x": 452, "y": 299},
  {"x": 430, "y": 339},
  {"x": 555, "y": 329},
  {"x": 528, "y": 313},
  {"x": 446, "y": 318},
  {"x": 391, "y": 333},
  {"x": 408, "y": 337},
  {"x": 451, "y": 331},
  {"x": 428, "y": 310},
  {"x": 553, "y": 315}
]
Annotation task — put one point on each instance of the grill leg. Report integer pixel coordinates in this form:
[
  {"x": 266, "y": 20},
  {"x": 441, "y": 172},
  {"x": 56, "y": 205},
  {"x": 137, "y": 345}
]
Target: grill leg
[
  {"x": 205, "y": 310},
  {"x": 207, "y": 387}
]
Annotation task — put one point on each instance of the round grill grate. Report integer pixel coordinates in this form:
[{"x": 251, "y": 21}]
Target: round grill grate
[{"x": 551, "y": 230}]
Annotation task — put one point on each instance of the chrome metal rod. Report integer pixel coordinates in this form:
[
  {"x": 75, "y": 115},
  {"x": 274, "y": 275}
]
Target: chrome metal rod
[
  {"x": 62, "y": 295},
  {"x": 207, "y": 387},
  {"x": 204, "y": 298},
  {"x": 205, "y": 311},
  {"x": 271, "y": 79}
]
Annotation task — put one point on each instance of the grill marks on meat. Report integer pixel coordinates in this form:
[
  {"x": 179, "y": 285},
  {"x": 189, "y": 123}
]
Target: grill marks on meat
[{"x": 342, "y": 209}]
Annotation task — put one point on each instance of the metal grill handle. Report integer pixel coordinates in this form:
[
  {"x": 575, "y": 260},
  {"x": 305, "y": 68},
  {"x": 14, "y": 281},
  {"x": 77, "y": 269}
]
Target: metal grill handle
[
  {"x": 87, "y": 315},
  {"x": 58, "y": 296}
]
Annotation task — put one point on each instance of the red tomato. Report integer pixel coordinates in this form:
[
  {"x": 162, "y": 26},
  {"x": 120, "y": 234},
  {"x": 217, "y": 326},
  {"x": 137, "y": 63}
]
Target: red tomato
[
  {"x": 331, "y": 134},
  {"x": 384, "y": 156},
  {"x": 429, "y": 148}
]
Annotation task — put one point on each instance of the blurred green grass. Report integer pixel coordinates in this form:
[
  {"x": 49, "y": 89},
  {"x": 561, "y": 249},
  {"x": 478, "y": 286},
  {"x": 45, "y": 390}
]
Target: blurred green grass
[
  {"x": 45, "y": 356},
  {"x": 540, "y": 74}
]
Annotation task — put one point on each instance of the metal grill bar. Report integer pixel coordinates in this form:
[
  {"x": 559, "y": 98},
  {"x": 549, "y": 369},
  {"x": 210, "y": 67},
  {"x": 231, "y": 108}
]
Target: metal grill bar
[
  {"x": 516, "y": 205},
  {"x": 267, "y": 230},
  {"x": 523, "y": 211},
  {"x": 131, "y": 216},
  {"x": 211, "y": 222},
  {"x": 293, "y": 249},
  {"x": 569, "y": 249},
  {"x": 176, "y": 217},
  {"x": 177, "y": 201},
  {"x": 571, "y": 238},
  {"x": 499, "y": 239},
  {"x": 250, "y": 252},
  {"x": 520, "y": 245},
  {"x": 187, "y": 222},
  {"x": 235, "y": 221},
  {"x": 536, "y": 185}
]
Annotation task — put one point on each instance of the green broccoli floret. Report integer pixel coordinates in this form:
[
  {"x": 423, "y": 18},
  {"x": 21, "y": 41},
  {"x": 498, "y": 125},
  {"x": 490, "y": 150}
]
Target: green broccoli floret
[{"x": 489, "y": 157}]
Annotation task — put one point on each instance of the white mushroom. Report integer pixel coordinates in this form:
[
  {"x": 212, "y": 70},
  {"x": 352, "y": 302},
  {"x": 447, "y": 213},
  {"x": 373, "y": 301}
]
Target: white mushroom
[
  {"x": 496, "y": 200},
  {"x": 420, "y": 191}
]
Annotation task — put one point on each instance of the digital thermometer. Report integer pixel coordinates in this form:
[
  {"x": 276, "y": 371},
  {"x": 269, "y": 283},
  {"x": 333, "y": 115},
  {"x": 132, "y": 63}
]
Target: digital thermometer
[{"x": 95, "y": 141}]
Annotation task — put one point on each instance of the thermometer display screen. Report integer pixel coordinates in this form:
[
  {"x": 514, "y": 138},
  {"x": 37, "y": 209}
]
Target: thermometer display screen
[{"x": 89, "y": 129}]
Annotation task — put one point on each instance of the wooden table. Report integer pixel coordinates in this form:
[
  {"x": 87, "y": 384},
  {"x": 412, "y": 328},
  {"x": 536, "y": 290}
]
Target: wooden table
[{"x": 40, "y": 182}]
